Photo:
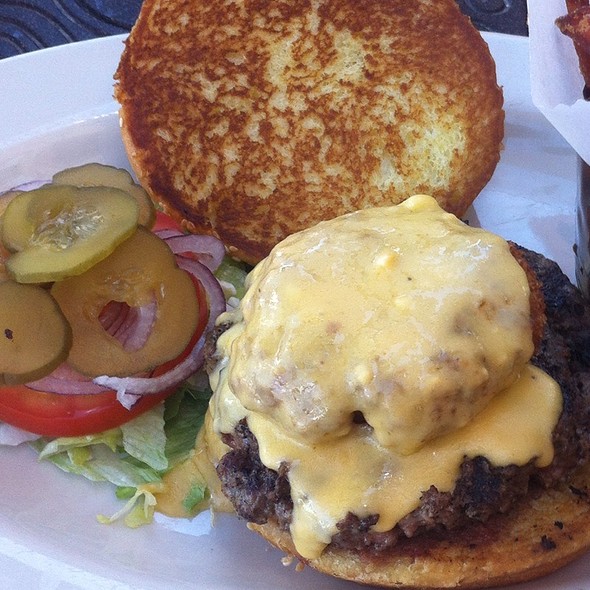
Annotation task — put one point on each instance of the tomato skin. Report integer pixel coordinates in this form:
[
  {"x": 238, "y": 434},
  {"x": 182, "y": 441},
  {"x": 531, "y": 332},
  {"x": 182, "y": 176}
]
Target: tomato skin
[
  {"x": 54, "y": 415},
  {"x": 164, "y": 221}
]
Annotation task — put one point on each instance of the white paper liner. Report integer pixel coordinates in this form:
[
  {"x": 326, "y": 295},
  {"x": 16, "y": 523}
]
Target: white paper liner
[{"x": 556, "y": 81}]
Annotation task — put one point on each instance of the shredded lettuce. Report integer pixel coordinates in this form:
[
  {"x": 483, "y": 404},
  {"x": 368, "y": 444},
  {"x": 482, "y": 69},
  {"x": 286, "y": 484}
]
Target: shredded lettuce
[
  {"x": 196, "y": 496},
  {"x": 136, "y": 456},
  {"x": 145, "y": 440},
  {"x": 138, "y": 510},
  {"x": 232, "y": 272},
  {"x": 183, "y": 419}
]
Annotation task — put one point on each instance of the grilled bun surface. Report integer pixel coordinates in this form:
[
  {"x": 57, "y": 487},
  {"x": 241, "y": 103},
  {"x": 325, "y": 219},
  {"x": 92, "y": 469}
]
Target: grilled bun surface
[
  {"x": 252, "y": 120},
  {"x": 404, "y": 401},
  {"x": 537, "y": 538}
]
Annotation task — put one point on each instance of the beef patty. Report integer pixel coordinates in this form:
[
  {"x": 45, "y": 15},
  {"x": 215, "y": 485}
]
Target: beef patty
[{"x": 260, "y": 494}]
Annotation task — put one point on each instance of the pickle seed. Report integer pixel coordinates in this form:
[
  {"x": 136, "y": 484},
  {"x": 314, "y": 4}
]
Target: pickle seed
[{"x": 62, "y": 229}]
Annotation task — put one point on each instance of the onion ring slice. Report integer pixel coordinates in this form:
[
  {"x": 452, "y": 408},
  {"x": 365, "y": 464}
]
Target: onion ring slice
[
  {"x": 208, "y": 280},
  {"x": 66, "y": 381},
  {"x": 129, "y": 389},
  {"x": 206, "y": 249}
]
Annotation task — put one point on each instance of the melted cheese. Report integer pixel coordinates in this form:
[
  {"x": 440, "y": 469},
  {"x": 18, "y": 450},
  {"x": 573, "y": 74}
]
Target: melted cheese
[
  {"x": 197, "y": 470},
  {"x": 354, "y": 473},
  {"x": 406, "y": 316}
]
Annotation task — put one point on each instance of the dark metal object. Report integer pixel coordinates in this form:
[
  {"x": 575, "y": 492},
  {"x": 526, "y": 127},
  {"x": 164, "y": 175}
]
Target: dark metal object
[
  {"x": 26, "y": 25},
  {"x": 500, "y": 16},
  {"x": 582, "y": 245}
]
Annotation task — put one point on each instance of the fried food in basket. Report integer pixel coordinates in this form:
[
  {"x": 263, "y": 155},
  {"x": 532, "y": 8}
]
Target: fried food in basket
[{"x": 576, "y": 25}]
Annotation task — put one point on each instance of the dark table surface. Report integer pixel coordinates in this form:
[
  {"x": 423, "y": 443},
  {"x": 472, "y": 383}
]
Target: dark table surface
[{"x": 27, "y": 25}]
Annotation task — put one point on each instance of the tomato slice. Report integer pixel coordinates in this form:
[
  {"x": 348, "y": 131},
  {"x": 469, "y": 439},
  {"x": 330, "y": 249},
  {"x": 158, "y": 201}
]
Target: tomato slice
[
  {"x": 164, "y": 221},
  {"x": 52, "y": 414}
]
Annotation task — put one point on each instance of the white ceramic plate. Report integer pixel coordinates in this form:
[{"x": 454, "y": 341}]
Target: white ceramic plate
[{"x": 57, "y": 110}]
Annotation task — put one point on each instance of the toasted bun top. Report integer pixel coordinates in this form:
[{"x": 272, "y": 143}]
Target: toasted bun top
[{"x": 252, "y": 120}]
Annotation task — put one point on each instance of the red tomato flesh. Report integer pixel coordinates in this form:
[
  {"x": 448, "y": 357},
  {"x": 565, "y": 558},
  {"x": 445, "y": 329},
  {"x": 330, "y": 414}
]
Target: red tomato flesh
[
  {"x": 53, "y": 414},
  {"x": 164, "y": 221}
]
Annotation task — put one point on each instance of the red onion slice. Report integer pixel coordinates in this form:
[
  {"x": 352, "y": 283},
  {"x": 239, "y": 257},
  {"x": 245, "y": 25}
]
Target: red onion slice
[
  {"x": 166, "y": 233},
  {"x": 207, "y": 249},
  {"x": 139, "y": 326},
  {"x": 131, "y": 326},
  {"x": 66, "y": 380},
  {"x": 129, "y": 389},
  {"x": 213, "y": 289},
  {"x": 112, "y": 316}
]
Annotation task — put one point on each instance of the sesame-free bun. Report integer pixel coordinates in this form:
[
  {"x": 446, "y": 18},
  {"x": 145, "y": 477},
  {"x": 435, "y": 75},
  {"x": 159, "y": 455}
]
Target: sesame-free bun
[
  {"x": 252, "y": 120},
  {"x": 540, "y": 536}
]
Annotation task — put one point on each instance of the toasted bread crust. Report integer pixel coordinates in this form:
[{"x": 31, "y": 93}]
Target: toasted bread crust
[
  {"x": 252, "y": 120},
  {"x": 540, "y": 536},
  {"x": 536, "y": 297}
]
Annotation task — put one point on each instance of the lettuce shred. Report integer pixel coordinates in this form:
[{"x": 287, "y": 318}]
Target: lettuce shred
[{"x": 137, "y": 455}]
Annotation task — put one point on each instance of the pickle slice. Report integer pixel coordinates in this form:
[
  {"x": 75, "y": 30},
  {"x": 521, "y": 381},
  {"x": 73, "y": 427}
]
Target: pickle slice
[
  {"x": 141, "y": 273},
  {"x": 35, "y": 337},
  {"x": 95, "y": 174},
  {"x": 5, "y": 198},
  {"x": 59, "y": 231}
]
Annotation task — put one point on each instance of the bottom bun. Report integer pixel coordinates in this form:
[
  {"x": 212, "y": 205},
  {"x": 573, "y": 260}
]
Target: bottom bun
[{"x": 543, "y": 534}]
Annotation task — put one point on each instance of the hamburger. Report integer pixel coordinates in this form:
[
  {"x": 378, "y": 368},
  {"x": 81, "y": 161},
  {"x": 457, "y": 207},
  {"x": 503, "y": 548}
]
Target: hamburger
[
  {"x": 402, "y": 400},
  {"x": 253, "y": 120}
]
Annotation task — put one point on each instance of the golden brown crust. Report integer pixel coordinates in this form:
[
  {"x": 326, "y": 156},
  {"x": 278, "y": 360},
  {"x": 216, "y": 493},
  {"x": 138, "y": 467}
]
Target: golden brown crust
[
  {"x": 540, "y": 536},
  {"x": 576, "y": 25},
  {"x": 536, "y": 298},
  {"x": 258, "y": 118}
]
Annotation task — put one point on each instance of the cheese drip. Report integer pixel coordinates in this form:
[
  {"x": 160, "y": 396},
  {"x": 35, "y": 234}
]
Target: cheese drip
[
  {"x": 354, "y": 473},
  {"x": 406, "y": 316}
]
